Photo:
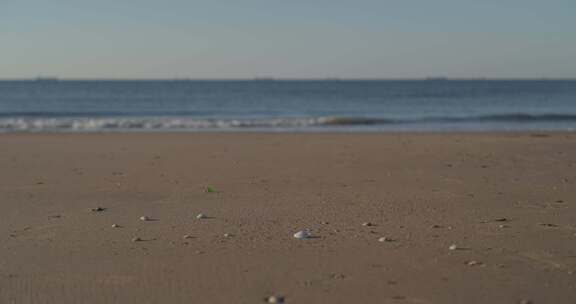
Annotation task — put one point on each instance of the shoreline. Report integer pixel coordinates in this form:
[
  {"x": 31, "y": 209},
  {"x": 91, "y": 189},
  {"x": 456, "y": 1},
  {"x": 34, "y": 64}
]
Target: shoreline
[{"x": 295, "y": 132}]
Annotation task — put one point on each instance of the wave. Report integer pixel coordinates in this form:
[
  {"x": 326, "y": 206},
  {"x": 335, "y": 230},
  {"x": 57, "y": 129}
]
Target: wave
[
  {"x": 512, "y": 118},
  {"x": 96, "y": 124},
  {"x": 148, "y": 123},
  {"x": 515, "y": 117}
]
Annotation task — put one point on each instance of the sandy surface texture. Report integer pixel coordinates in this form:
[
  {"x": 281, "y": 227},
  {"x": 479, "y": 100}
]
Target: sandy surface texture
[{"x": 506, "y": 201}]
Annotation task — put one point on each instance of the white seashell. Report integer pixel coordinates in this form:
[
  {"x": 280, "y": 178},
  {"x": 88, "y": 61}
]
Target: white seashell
[
  {"x": 145, "y": 218},
  {"x": 303, "y": 234},
  {"x": 384, "y": 239},
  {"x": 275, "y": 299},
  {"x": 115, "y": 226},
  {"x": 201, "y": 216},
  {"x": 453, "y": 247}
]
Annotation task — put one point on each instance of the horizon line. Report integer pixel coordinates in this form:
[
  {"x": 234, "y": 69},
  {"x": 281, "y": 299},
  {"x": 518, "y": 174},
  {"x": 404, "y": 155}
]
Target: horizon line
[{"x": 264, "y": 79}]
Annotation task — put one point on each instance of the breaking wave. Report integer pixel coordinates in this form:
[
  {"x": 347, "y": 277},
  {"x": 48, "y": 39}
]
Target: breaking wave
[{"x": 62, "y": 123}]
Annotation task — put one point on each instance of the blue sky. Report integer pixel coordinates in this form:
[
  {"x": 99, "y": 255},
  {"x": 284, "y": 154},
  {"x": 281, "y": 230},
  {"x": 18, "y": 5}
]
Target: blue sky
[{"x": 287, "y": 39}]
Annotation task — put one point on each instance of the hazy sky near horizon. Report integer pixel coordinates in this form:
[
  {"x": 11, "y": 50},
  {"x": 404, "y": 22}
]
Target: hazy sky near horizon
[{"x": 287, "y": 39}]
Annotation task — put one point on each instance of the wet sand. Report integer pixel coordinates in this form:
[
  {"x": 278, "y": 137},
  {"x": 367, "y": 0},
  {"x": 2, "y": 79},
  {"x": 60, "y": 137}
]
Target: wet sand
[{"x": 507, "y": 201}]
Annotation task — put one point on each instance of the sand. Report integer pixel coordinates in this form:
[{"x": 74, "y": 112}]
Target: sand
[{"x": 507, "y": 201}]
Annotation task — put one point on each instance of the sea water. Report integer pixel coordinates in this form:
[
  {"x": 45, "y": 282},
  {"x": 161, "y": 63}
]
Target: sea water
[{"x": 438, "y": 105}]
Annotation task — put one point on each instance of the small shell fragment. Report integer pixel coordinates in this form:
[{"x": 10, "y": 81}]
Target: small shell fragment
[
  {"x": 384, "y": 239},
  {"x": 275, "y": 299},
  {"x": 187, "y": 236},
  {"x": 137, "y": 239},
  {"x": 473, "y": 263},
  {"x": 115, "y": 226},
  {"x": 453, "y": 247},
  {"x": 367, "y": 224},
  {"x": 201, "y": 216},
  {"x": 303, "y": 234},
  {"x": 227, "y": 235},
  {"x": 145, "y": 218}
]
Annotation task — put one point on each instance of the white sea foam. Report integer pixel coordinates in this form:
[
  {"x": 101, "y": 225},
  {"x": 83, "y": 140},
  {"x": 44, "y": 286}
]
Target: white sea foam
[
  {"x": 158, "y": 123},
  {"x": 150, "y": 124}
]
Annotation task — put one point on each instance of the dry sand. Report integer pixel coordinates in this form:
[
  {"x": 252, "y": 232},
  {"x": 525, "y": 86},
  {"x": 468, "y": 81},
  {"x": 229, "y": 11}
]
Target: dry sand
[{"x": 508, "y": 201}]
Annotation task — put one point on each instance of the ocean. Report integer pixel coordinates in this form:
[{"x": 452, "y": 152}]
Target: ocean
[{"x": 436, "y": 105}]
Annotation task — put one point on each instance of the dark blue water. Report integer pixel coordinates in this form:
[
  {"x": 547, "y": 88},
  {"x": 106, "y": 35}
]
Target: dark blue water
[{"x": 417, "y": 105}]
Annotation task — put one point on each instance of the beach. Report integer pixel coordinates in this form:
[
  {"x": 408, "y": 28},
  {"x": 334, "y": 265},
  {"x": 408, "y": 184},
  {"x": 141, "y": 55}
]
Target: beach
[{"x": 394, "y": 217}]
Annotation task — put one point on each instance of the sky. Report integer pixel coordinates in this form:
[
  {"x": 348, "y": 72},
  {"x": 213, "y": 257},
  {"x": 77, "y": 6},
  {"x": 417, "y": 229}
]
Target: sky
[{"x": 288, "y": 39}]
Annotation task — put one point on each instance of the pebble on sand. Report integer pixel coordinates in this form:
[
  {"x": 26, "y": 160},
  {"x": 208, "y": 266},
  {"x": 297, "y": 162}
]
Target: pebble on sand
[
  {"x": 227, "y": 235},
  {"x": 384, "y": 239},
  {"x": 473, "y": 263},
  {"x": 275, "y": 299},
  {"x": 453, "y": 247},
  {"x": 98, "y": 209},
  {"x": 303, "y": 234},
  {"x": 548, "y": 225},
  {"x": 145, "y": 218},
  {"x": 187, "y": 236},
  {"x": 115, "y": 226},
  {"x": 201, "y": 216},
  {"x": 367, "y": 224},
  {"x": 137, "y": 239}
]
